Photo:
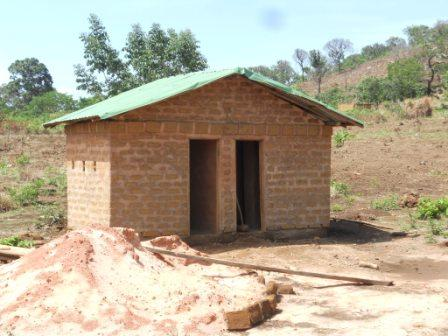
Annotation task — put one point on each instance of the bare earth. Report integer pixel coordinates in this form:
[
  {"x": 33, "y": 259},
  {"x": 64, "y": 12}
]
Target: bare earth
[
  {"x": 416, "y": 305},
  {"x": 394, "y": 157}
]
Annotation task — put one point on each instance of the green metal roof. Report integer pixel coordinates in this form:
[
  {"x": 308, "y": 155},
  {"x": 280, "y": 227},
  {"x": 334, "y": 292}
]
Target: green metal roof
[{"x": 171, "y": 86}]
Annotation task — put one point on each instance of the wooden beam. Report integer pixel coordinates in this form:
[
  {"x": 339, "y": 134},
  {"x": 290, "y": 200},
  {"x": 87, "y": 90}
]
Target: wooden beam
[{"x": 269, "y": 268}]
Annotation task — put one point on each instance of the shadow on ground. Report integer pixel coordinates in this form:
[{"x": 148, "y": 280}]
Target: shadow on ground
[{"x": 341, "y": 231}]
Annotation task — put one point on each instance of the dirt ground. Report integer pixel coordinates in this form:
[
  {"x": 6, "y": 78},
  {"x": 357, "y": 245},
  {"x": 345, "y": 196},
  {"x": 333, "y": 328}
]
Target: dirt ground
[
  {"x": 416, "y": 305},
  {"x": 389, "y": 158}
]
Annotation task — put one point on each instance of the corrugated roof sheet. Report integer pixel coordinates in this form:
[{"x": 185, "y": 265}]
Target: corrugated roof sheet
[{"x": 171, "y": 86}]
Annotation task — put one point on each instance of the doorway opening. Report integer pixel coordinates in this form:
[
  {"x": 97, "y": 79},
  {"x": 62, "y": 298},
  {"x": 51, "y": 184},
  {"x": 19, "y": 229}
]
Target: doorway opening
[
  {"x": 248, "y": 185},
  {"x": 203, "y": 186}
]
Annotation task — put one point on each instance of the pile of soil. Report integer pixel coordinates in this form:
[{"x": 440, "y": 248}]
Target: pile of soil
[{"x": 102, "y": 281}]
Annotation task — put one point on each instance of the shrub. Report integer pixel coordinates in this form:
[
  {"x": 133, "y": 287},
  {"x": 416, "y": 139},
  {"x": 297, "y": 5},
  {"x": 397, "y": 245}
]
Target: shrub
[
  {"x": 387, "y": 203},
  {"x": 16, "y": 241},
  {"x": 339, "y": 188},
  {"x": 437, "y": 228},
  {"x": 6, "y": 203},
  {"x": 26, "y": 194},
  {"x": 50, "y": 102},
  {"x": 371, "y": 90},
  {"x": 430, "y": 209},
  {"x": 53, "y": 216},
  {"x": 333, "y": 97},
  {"x": 341, "y": 136},
  {"x": 406, "y": 79}
]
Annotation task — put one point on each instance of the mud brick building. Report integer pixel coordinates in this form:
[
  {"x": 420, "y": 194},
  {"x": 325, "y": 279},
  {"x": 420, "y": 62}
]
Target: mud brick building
[{"x": 203, "y": 153}]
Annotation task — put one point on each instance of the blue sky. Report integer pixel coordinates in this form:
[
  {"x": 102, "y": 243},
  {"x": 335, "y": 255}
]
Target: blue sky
[{"x": 231, "y": 33}]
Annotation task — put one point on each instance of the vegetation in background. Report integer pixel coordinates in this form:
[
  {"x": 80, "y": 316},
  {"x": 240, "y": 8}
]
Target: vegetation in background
[
  {"x": 386, "y": 203},
  {"x": 282, "y": 72},
  {"x": 429, "y": 208},
  {"x": 28, "y": 78},
  {"x": 147, "y": 56},
  {"x": 16, "y": 241},
  {"x": 338, "y": 188},
  {"x": 333, "y": 97},
  {"x": 341, "y": 136},
  {"x": 432, "y": 50},
  {"x": 337, "y": 49},
  {"x": 6, "y": 203},
  {"x": 26, "y": 194}
]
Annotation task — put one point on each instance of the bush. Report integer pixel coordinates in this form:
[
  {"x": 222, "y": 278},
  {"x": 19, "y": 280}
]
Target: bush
[
  {"x": 333, "y": 97},
  {"x": 341, "y": 136},
  {"x": 16, "y": 241},
  {"x": 406, "y": 79},
  {"x": 428, "y": 208},
  {"x": 339, "y": 188},
  {"x": 371, "y": 90},
  {"x": 6, "y": 203},
  {"x": 387, "y": 203},
  {"x": 56, "y": 179},
  {"x": 53, "y": 216},
  {"x": 51, "y": 102},
  {"x": 26, "y": 194}
]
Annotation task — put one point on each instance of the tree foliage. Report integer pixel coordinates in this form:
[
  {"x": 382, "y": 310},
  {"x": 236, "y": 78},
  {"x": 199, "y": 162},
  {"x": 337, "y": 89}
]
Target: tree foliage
[
  {"x": 282, "y": 72},
  {"x": 147, "y": 56},
  {"x": 432, "y": 46},
  {"x": 51, "y": 102},
  {"x": 28, "y": 78},
  {"x": 318, "y": 67},
  {"x": 337, "y": 49},
  {"x": 406, "y": 76}
]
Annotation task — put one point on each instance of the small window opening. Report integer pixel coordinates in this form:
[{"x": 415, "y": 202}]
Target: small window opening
[
  {"x": 94, "y": 166},
  {"x": 73, "y": 164},
  {"x": 83, "y": 166}
]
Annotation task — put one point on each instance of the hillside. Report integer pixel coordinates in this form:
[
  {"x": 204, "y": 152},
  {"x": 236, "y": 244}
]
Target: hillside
[{"x": 348, "y": 78}]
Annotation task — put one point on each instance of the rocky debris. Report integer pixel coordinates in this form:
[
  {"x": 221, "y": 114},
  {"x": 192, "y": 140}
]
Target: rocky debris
[{"x": 101, "y": 281}]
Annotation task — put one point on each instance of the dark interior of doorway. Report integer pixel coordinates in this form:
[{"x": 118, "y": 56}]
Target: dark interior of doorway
[
  {"x": 203, "y": 190},
  {"x": 248, "y": 185}
]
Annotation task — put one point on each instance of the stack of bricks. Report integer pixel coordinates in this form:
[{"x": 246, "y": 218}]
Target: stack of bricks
[{"x": 141, "y": 179}]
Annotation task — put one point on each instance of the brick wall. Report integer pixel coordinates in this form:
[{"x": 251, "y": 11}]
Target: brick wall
[
  {"x": 88, "y": 176},
  {"x": 149, "y": 150}
]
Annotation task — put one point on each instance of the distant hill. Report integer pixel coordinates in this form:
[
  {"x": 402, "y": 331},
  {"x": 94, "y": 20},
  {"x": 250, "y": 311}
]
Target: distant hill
[{"x": 348, "y": 78}]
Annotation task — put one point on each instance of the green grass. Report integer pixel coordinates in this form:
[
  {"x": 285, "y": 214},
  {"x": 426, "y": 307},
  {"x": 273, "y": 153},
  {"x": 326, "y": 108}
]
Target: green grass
[
  {"x": 386, "y": 203},
  {"x": 52, "y": 215},
  {"x": 26, "y": 194},
  {"x": 23, "y": 160},
  {"x": 341, "y": 136},
  {"x": 337, "y": 208},
  {"x": 16, "y": 241},
  {"x": 428, "y": 208},
  {"x": 338, "y": 188}
]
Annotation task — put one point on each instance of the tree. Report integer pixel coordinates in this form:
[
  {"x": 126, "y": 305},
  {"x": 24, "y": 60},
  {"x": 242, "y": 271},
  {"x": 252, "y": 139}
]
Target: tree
[
  {"x": 337, "y": 49},
  {"x": 395, "y": 42},
  {"x": 319, "y": 67},
  {"x": 147, "y": 56},
  {"x": 102, "y": 61},
  {"x": 300, "y": 56},
  {"x": 371, "y": 90},
  {"x": 406, "y": 76},
  {"x": 432, "y": 46},
  {"x": 28, "y": 78},
  {"x": 374, "y": 50},
  {"x": 51, "y": 102},
  {"x": 282, "y": 72}
]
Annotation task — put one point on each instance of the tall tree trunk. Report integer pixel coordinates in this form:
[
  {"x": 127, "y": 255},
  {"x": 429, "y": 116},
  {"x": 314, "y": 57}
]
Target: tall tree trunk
[{"x": 431, "y": 77}]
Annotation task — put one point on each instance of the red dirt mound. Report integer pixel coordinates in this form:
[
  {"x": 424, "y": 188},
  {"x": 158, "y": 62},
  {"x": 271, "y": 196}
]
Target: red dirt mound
[{"x": 103, "y": 282}]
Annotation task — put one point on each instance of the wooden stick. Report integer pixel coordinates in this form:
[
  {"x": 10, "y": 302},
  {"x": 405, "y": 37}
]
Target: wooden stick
[{"x": 270, "y": 269}]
